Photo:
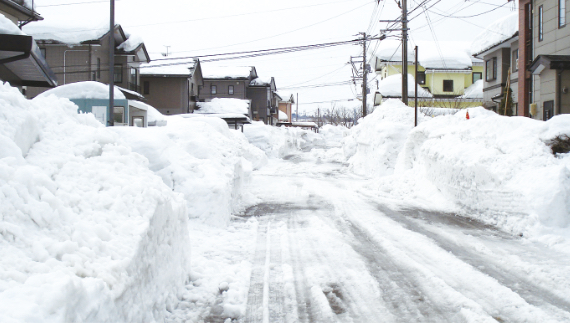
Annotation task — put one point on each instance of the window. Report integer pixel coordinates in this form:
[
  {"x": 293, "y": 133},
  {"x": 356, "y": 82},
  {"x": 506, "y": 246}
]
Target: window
[
  {"x": 476, "y": 76},
  {"x": 213, "y": 89},
  {"x": 515, "y": 62},
  {"x": 118, "y": 73},
  {"x": 230, "y": 89},
  {"x": 119, "y": 114},
  {"x": 540, "y": 24},
  {"x": 491, "y": 69},
  {"x": 561, "y": 13},
  {"x": 146, "y": 87},
  {"x": 133, "y": 76},
  {"x": 98, "y": 68},
  {"x": 421, "y": 77},
  {"x": 447, "y": 85}
]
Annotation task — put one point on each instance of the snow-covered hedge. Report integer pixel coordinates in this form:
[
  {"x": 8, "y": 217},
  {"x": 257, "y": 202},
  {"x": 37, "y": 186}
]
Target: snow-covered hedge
[
  {"x": 87, "y": 231},
  {"x": 499, "y": 169}
]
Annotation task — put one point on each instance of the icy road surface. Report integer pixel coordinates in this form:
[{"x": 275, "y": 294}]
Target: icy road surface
[{"x": 327, "y": 252}]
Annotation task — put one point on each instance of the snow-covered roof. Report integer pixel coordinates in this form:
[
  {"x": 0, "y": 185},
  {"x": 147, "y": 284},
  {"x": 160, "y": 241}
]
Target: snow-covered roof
[
  {"x": 431, "y": 55},
  {"x": 446, "y": 59},
  {"x": 219, "y": 72},
  {"x": 182, "y": 70},
  {"x": 286, "y": 96},
  {"x": 216, "y": 115},
  {"x": 219, "y": 105},
  {"x": 7, "y": 27},
  {"x": 474, "y": 91},
  {"x": 392, "y": 87},
  {"x": 393, "y": 53},
  {"x": 498, "y": 32},
  {"x": 261, "y": 81},
  {"x": 84, "y": 90},
  {"x": 304, "y": 124},
  {"x": 68, "y": 32},
  {"x": 132, "y": 43}
]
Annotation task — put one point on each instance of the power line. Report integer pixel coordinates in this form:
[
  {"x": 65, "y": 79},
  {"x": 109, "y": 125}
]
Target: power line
[
  {"x": 73, "y": 3},
  {"x": 472, "y": 16}
]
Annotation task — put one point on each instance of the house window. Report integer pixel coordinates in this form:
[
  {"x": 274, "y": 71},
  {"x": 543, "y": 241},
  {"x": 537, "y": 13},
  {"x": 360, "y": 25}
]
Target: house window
[
  {"x": 491, "y": 69},
  {"x": 98, "y": 68},
  {"x": 447, "y": 85},
  {"x": 421, "y": 77},
  {"x": 561, "y": 13},
  {"x": 476, "y": 76},
  {"x": 119, "y": 114},
  {"x": 146, "y": 87},
  {"x": 118, "y": 73},
  {"x": 540, "y": 24},
  {"x": 213, "y": 89},
  {"x": 230, "y": 89},
  {"x": 133, "y": 76},
  {"x": 515, "y": 62}
]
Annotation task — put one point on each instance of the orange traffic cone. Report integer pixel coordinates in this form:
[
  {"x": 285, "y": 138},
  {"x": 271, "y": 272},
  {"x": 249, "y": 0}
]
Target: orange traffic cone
[{"x": 467, "y": 115}]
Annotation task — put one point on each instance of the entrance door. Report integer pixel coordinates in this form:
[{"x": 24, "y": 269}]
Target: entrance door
[
  {"x": 100, "y": 113},
  {"x": 548, "y": 110}
]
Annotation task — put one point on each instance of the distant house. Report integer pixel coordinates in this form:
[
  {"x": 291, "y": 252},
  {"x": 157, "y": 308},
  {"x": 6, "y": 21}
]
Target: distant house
[
  {"x": 172, "y": 89},
  {"x": 264, "y": 100},
  {"x": 93, "y": 97},
  {"x": 234, "y": 111},
  {"x": 225, "y": 82},
  {"x": 285, "y": 104},
  {"x": 444, "y": 74},
  {"x": 498, "y": 47},
  {"x": 84, "y": 55},
  {"x": 21, "y": 61},
  {"x": 544, "y": 58}
]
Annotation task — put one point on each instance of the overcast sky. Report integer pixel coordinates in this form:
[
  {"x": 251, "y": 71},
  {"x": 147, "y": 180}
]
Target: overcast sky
[{"x": 193, "y": 28}]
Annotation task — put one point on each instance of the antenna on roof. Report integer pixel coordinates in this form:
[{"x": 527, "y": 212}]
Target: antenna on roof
[{"x": 167, "y": 53}]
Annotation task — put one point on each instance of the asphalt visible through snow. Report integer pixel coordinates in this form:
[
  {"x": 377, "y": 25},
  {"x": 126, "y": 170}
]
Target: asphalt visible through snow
[{"x": 328, "y": 251}]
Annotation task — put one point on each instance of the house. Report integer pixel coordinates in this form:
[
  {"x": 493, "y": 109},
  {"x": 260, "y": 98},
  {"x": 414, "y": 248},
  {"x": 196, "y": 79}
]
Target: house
[
  {"x": 264, "y": 100},
  {"x": 285, "y": 105},
  {"x": 79, "y": 53},
  {"x": 445, "y": 74},
  {"x": 21, "y": 61},
  {"x": 498, "y": 47},
  {"x": 544, "y": 59},
  {"x": 225, "y": 82},
  {"x": 93, "y": 97},
  {"x": 233, "y": 111},
  {"x": 172, "y": 89}
]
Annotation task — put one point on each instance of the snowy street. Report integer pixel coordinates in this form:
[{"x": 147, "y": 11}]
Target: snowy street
[{"x": 327, "y": 252}]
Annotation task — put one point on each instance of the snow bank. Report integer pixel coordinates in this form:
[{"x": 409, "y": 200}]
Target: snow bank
[
  {"x": 222, "y": 106},
  {"x": 494, "y": 168},
  {"x": 87, "y": 231},
  {"x": 496, "y": 33},
  {"x": 200, "y": 158},
  {"x": 474, "y": 91},
  {"x": 279, "y": 142},
  {"x": 83, "y": 90},
  {"x": 391, "y": 86}
]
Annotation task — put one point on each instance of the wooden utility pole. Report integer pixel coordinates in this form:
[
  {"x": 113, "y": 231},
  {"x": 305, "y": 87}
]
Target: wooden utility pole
[
  {"x": 297, "y": 112},
  {"x": 364, "y": 75},
  {"x": 405, "y": 52},
  {"x": 111, "y": 121}
]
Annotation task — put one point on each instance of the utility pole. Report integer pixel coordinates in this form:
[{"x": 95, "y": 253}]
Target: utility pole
[
  {"x": 297, "y": 112},
  {"x": 416, "y": 89},
  {"x": 405, "y": 52},
  {"x": 364, "y": 75},
  {"x": 112, "y": 65}
]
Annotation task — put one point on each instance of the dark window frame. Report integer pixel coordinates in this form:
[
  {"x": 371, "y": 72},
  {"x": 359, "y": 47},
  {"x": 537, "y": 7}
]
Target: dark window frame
[
  {"x": 561, "y": 13},
  {"x": 118, "y": 73},
  {"x": 213, "y": 89},
  {"x": 473, "y": 80},
  {"x": 231, "y": 90},
  {"x": 421, "y": 77},
  {"x": 146, "y": 87},
  {"x": 515, "y": 60},
  {"x": 119, "y": 110},
  {"x": 449, "y": 83},
  {"x": 540, "y": 23},
  {"x": 133, "y": 78},
  {"x": 493, "y": 75}
]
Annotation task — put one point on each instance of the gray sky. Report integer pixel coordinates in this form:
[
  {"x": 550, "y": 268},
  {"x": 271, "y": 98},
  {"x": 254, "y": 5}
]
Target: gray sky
[{"x": 218, "y": 26}]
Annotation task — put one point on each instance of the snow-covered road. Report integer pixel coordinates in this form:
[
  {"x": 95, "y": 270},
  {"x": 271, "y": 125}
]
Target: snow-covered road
[{"x": 328, "y": 251}]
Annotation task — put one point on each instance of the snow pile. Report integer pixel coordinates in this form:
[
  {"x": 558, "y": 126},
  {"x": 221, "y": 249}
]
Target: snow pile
[
  {"x": 374, "y": 144},
  {"x": 200, "y": 158},
  {"x": 283, "y": 116},
  {"x": 8, "y": 27},
  {"x": 223, "y": 106},
  {"x": 495, "y": 168},
  {"x": 499, "y": 31},
  {"x": 87, "y": 231},
  {"x": 392, "y": 87},
  {"x": 83, "y": 90},
  {"x": 279, "y": 142},
  {"x": 474, "y": 91}
]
